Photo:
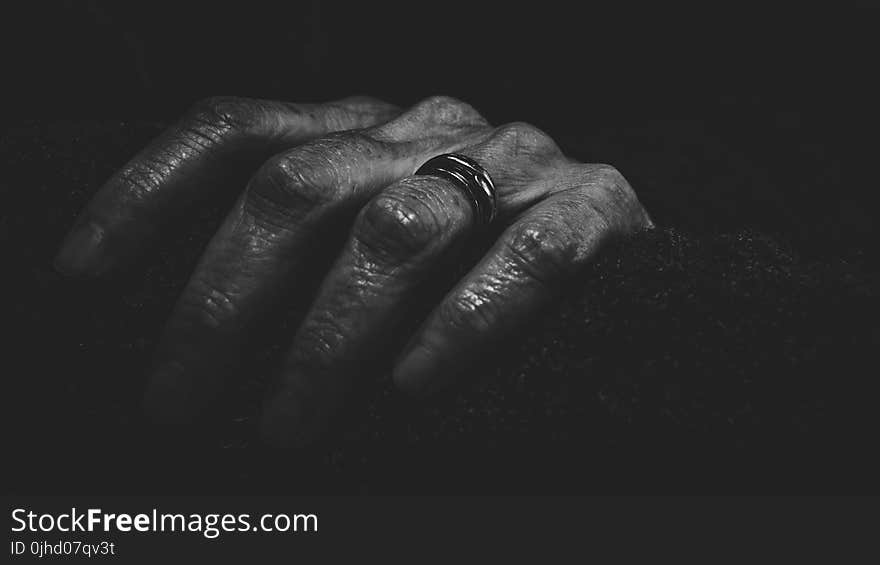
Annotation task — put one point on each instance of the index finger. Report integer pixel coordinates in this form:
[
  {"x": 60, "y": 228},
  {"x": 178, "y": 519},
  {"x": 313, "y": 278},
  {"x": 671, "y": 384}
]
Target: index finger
[{"x": 211, "y": 150}]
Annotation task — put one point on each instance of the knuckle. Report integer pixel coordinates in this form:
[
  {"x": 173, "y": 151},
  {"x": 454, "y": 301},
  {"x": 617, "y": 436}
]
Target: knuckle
[
  {"x": 143, "y": 176},
  {"x": 522, "y": 137},
  {"x": 400, "y": 224},
  {"x": 208, "y": 305},
  {"x": 222, "y": 112},
  {"x": 317, "y": 342},
  {"x": 609, "y": 176},
  {"x": 612, "y": 180},
  {"x": 541, "y": 251},
  {"x": 437, "y": 114},
  {"x": 468, "y": 311},
  {"x": 618, "y": 193},
  {"x": 447, "y": 110},
  {"x": 298, "y": 181},
  {"x": 208, "y": 124},
  {"x": 210, "y": 121}
]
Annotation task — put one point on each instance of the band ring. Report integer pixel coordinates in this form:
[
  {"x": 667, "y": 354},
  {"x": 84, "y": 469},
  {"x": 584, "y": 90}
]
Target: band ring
[{"x": 470, "y": 176}]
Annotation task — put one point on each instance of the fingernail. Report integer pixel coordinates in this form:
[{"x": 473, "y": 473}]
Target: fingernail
[
  {"x": 415, "y": 373},
  {"x": 82, "y": 252},
  {"x": 290, "y": 420}
]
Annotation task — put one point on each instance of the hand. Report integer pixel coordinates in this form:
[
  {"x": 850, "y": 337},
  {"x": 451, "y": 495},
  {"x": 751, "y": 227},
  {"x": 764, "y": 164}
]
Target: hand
[{"x": 343, "y": 172}]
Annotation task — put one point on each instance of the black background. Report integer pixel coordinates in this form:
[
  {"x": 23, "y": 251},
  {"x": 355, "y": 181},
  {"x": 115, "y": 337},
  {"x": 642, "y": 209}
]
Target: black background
[
  {"x": 758, "y": 67},
  {"x": 783, "y": 89}
]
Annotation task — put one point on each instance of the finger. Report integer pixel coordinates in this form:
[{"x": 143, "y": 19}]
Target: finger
[
  {"x": 520, "y": 274},
  {"x": 266, "y": 249},
  {"x": 400, "y": 239},
  {"x": 406, "y": 237},
  {"x": 210, "y": 151}
]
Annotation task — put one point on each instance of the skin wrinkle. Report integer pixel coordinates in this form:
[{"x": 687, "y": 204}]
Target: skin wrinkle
[
  {"x": 143, "y": 178},
  {"x": 364, "y": 108},
  {"x": 325, "y": 333},
  {"x": 442, "y": 339},
  {"x": 365, "y": 280},
  {"x": 541, "y": 253},
  {"x": 284, "y": 210},
  {"x": 210, "y": 131},
  {"x": 210, "y": 304},
  {"x": 369, "y": 277},
  {"x": 222, "y": 114},
  {"x": 403, "y": 226},
  {"x": 378, "y": 273},
  {"x": 319, "y": 339},
  {"x": 472, "y": 307},
  {"x": 361, "y": 145},
  {"x": 195, "y": 141},
  {"x": 584, "y": 222},
  {"x": 192, "y": 160},
  {"x": 557, "y": 214},
  {"x": 261, "y": 231}
]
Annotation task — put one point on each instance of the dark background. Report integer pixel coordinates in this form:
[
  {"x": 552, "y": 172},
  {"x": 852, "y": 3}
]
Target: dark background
[
  {"x": 784, "y": 87},
  {"x": 732, "y": 122}
]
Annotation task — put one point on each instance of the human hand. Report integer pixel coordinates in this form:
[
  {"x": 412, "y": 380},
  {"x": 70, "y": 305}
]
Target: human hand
[{"x": 345, "y": 171}]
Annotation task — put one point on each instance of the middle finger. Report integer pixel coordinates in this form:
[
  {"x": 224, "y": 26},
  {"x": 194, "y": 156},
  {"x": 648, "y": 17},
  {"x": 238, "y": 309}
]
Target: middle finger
[{"x": 264, "y": 250}]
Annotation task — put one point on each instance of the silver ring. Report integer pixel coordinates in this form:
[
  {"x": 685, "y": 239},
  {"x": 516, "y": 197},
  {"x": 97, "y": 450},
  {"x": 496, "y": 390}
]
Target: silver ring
[{"x": 471, "y": 177}]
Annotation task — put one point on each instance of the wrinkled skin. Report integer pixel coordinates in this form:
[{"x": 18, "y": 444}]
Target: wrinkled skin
[{"x": 346, "y": 168}]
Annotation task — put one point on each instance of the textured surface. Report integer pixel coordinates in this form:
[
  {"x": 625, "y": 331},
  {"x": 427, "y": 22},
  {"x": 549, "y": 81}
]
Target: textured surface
[{"x": 739, "y": 332}]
